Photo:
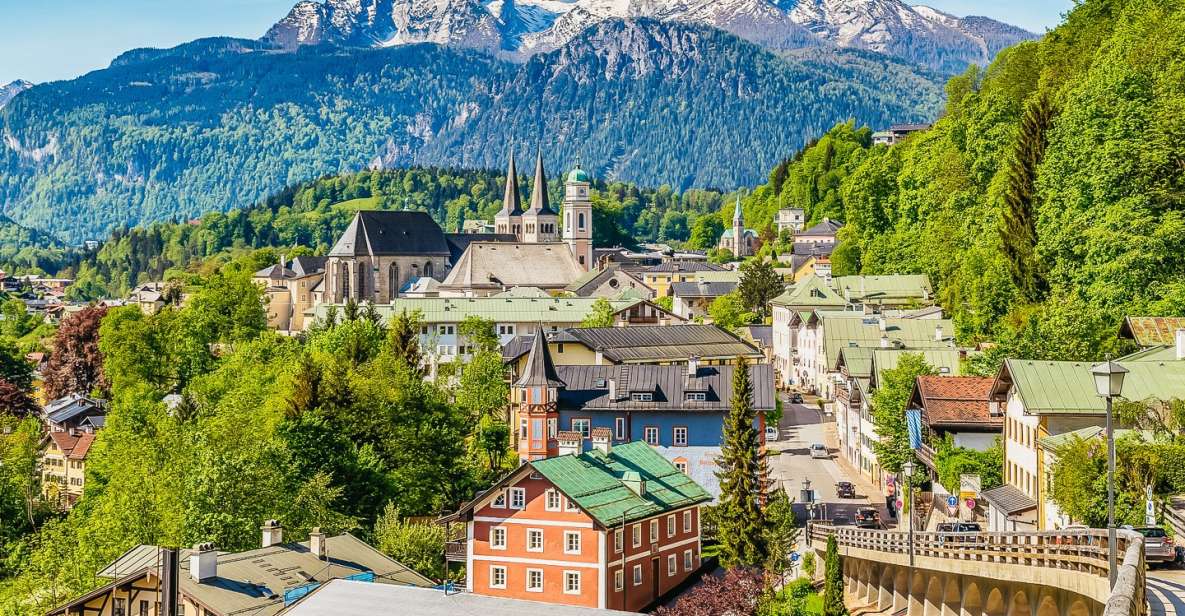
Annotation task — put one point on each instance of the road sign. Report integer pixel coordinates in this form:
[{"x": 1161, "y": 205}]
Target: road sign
[
  {"x": 952, "y": 501},
  {"x": 970, "y": 503},
  {"x": 900, "y": 504},
  {"x": 794, "y": 556},
  {"x": 1149, "y": 508}
]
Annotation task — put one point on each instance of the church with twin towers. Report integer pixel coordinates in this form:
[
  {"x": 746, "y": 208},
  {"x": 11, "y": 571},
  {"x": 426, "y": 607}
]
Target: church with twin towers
[{"x": 539, "y": 223}]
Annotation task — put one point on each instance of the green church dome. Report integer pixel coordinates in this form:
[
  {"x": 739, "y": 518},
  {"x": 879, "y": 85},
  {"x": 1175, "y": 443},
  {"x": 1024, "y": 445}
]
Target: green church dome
[{"x": 578, "y": 175}]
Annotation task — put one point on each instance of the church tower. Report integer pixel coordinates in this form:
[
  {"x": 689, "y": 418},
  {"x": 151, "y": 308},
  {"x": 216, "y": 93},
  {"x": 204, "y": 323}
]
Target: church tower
[
  {"x": 578, "y": 227},
  {"x": 535, "y": 396},
  {"x": 739, "y": 247},
  {"x": 509, "y": 220},
  {"x": 540, "y": 221}
]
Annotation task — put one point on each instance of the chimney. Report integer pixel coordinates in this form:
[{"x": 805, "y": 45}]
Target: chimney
[
  {"x": 692, "y": 366},
  {"x": 570, "y": 443},
  {"x": 881, "y": 323},
  {"x": 938, "y": 333},
  {"x": 317, "y": 542},
  {"x": 1181, "y": 344},
  {"x": 601, "y": 438},
  {"x": 170, "y": 581},
  {"x": 884, "y": 341},
  {"x": 612, "y": 390},
  {"x": 203, "y": 563},
  {"x": 634, "y": 482},
  {"x": 273, "y": 533}
]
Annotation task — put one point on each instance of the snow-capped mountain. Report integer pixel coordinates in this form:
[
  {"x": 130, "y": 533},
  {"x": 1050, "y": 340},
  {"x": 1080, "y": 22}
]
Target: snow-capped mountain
[
  {"x": 12, "y": 89},
  {"x": 521, "y": 28}
]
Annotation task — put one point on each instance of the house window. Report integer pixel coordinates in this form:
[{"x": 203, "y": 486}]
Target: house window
[
  {"x": 687, "y": 560},
  {"x": 617, "y": 541},
  {"x": 506, "y": 330},
  {"x": 637, "y": 535},
  {"x": 534, "y": 540},
  {"x": 553, "y": 500},
  {"x": 119, "y": 608},
  {"x": 671, "y": 525},
  {"x": 637, "y": 575},
  {"x": 499, "y": 501},
  {"x": 650, "y": 435},
  {"x": 679, "y": 436},
  {"x": 522, "y": 428},
  {"x": 583, "y": 426},
  {"x": 571, "y": 542},
  {"x": 619, "y": 429},
  {"x": 534, "y": 580},
  {"x": 497, "y": 577},
  {"x": 518, "y": 498},
  {"x": 444, "y": 349},
  {"x": 571, "y": 582},
  {"x": 445, "y": 330},
  {"x": 570, "y": 505},
  {"x": 653, "y": 531},
  {"x": 672, "y": 566},
  {"x": 696, "y": 396},
  {"x": 642, "y": 397},
  {"x": 498, "y": 538},
  {"x": 552, "y": 427},
  {"x": 143, "y": 607},
  {"x": 618, "y": 580},
  {"x": 686, "y": 521},
  {"x": 681, "y": 465}
]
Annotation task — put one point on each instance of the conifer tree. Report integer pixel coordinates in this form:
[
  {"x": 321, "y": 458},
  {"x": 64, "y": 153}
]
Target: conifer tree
[
  {"x": 833, "y": 604},
  {"x": 742, "y": 480},
  {"x": 404, "y": 338},
  {"x": 1018, "y": 228}
]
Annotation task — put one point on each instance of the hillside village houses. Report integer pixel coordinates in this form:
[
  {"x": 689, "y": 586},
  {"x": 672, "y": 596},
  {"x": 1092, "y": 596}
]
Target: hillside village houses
[
  {"x": 71, "y": 425},
  {"x": 790, "y": 219}
]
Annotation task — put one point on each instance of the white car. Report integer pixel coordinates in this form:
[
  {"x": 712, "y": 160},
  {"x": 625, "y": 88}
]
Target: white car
[
  {"x": 819, "y": 450},
  {"x": 771, "y": 434}
]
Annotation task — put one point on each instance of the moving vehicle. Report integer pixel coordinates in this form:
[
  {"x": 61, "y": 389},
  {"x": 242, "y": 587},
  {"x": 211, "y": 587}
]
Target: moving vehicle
[
  {"x": 845, "y": 489},
  {"x": 796, "y": 398},
  {"x": 771, "y": 434},
  {"x": 1158, "y": 546},
  {"x": 819, "y": 450},
  {"x": 867, "y": 517}
]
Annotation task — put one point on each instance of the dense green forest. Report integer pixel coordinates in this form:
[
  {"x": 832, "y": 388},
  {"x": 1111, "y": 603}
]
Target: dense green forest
[
  {"x": 1048, "y": 200},
  {"x": 306, "y": 219},
  {"x": 219, "y": 124}
]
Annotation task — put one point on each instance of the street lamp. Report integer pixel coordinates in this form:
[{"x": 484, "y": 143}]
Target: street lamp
[
  {"x": 1108, "y": 382},
  {"x": 908, "y": 468}
]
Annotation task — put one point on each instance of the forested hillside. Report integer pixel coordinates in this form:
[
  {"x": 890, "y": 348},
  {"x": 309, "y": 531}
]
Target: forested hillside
[
  {"x": 307, "y": 219},
  {"x": 1047, "y": 203},
  {"x": 220, "y": 123}
]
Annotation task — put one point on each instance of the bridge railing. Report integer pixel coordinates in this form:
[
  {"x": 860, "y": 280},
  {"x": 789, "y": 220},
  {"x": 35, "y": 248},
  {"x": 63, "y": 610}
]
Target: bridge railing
[{"x": 1083, "y": 551}]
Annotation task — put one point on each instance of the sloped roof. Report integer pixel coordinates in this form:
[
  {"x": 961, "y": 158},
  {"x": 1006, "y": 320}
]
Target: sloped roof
[
  {"x": 594, "y": 480},
  {"x": 540, "y": 370},
  {"x": 587, "y": 388},
  {"x": 946, "y": 360},
  {"x": 761, "y": 334},
  {"x": 842, "y": 330},
  {"x": 512, "y": 203},
  {"x": 497, "y": 309},
  {"x": 590, "y": 281},
  {"x": 75, "y": 406},
  {"x": 1055, "y": 442},
  {"x": 810, "y": 292},
  {"x": 307, "y": 266},
  {"x": 275, "y": 271},
  {"x": 811, "y": 249},
  {"x": 499, "y": 264},
  {"x": 955, "y": 400},
  {"x": 1152, "y": 331},
  {"x": 1066, "y": 387},
  {"x": 702, "y": 289},
  {"x": 458, "y": 242},
  {"x": 682, "y": 266},
  {"x": 718, "y": 276},
  {"x": 1009, "y": 500},
  {"x": 622, "y": 344},
  {"x": 826, "y": 227},
  {"x": 391, "y": 233},
  {"x": 871, "y": 289}
]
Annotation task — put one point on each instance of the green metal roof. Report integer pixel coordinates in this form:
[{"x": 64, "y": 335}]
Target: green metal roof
[
  {"x": 1156, "y": 353},
  {"x": 725, "y": 276},
  {"x": 578, "y": 175},
  {"x": 811, "y": 291},
  {"x": 857, "y": 359},
  {"x": 1057, "y": 441},
  {"x": 1067, "y": 387},
  {"x": 887, "y": 359},
  {"x": 844, "y": 331},
  {"x": 873, "y": 289},
  {"x": 497, "y": 309},
  {"x": 594, "y": 480}
]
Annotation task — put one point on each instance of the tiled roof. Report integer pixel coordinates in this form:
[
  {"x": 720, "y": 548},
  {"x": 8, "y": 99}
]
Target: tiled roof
[
  {"x": 702, "y": 289},
  {"x": 686, "y": 266},
  {"x": 594, "y": 480},
  {"x": 827, "y": 227},
  {"x": 74, "y": 447},
  {"x": 378, "y": 232},
  {"x": 501, "y": 264},
  {"x": 1152, "y": 331},
  {"x": 956, "y": 400},
  {"x": 458, "y": 242}
]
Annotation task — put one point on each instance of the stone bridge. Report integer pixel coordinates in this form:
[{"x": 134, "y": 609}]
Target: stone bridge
[{"x": 987, "y": 574}]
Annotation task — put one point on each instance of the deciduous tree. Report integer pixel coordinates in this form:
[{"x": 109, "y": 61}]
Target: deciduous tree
[{"x": 76, "y": 363}]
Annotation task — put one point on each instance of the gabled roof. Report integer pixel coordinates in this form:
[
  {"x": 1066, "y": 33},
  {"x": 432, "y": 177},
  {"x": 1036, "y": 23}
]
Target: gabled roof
[
  {"x": 1152, "y": 331},
  {"x": 488, "y": 265},
  {"x": 841, "y": 330},
  {"x": 1067, "y": 387},
  {"x": 587, "y": 388},
  {"x": 459, "y": 242},
  {"x": 72, "y": 407},
  {"x": 702, "y": 289},
  {"x": 955, "y": 401},
  {"x": 390, "y": 233},
  {"x": 307, "y": 266},
  {"x": 682, "y": 266},
  {"x": 74, "y": 447},
  {"x": 1055, "y": 442},
  {"x": 810, "y": 292},
  {"x": 588, "y": 282},
  {"x": 827, "y": 227},
  {"x": 811, "y": 249},
  {"x": 566, "y": 310},
  {"x": 594, "y": 480},
  {"x": 275, "y": 271},
  {"x": 642, "y": 344},
  {"x": 540, "y": 370},
  {"x": 877, "y": 289}
]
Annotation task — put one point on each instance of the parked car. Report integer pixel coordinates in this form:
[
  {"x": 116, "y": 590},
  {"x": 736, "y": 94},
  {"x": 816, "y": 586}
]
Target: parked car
[
  {"x": 840, "y": 519},
  {"x": 796, "y": 398},
  {"x": 959, "y": 527},
  {"x": 1158, "y": 546},
  {"x": 771, "y": 434},
  {"x": 819, "y": 450},
  {"x": 867, "y": 517},
  {"x": 845, "y": 489}
]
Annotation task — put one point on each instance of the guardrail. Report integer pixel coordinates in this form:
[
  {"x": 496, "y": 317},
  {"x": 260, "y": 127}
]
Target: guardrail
[{"x": 1083, "y": 551}]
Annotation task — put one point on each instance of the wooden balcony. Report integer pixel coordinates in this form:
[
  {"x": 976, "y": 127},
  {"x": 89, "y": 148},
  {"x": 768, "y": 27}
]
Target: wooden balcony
[{"x": 456, "y": 551}]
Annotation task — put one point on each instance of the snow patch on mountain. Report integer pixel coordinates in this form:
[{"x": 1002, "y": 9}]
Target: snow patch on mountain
[{"x": 10, "y": 90}]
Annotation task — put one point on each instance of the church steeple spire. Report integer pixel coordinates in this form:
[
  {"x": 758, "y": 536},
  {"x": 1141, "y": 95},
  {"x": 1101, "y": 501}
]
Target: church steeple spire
[
  {"x": 540, "y": 205},
  {"x": 512, "y": 203},
  {"x": 738, "y": 216}
]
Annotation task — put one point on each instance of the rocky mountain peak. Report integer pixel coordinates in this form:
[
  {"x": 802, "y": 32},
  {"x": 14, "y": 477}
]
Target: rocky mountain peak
[{"x": 10, "y": 90}]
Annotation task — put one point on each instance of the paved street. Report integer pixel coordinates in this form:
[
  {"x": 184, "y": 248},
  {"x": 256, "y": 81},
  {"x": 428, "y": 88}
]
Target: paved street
[
  {"x": 1166, "y": 592},
  {"x": 801, "y": 426}
]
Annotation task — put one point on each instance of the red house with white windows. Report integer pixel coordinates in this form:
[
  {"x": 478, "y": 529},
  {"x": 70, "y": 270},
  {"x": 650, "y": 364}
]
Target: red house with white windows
[{"x": 611, "y": 528}]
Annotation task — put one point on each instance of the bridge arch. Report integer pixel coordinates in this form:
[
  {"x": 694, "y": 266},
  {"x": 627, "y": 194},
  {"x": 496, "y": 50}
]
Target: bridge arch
[
  {"x": 885, "y": 597},
  {"x": 994, "y": 606},
  {"x": 1078, "y": 608},
  {"x": 1020, "y": 604},
  {"x": 1048, "y": 606},
  {"x": 952, "y": 598},
  {"x": 934, "y": 592},
  {"x": 972, "y": 600},
  {"x": 917, "y": 594},
  {"x": 901, "y": 590}
]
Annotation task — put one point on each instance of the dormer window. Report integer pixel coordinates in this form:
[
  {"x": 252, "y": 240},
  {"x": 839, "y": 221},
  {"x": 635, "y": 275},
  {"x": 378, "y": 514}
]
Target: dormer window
[
  {"x": 600, "y": 384},
  {"x": 639, "y": 396},
  {"x": 696, "y": 396}
]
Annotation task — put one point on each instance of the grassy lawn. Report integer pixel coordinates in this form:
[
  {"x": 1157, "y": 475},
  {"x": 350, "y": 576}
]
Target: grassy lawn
[
  {"x": 813, "y": 602},
  {"x": 354, "y": 205}
]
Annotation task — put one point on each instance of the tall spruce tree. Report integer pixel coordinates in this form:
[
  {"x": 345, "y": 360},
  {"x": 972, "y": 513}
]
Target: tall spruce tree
[
  {"x": 759, "y": 284},
  {"x": 833, "y": 604},
  {"x": 1018, "y": 228},
  {"x": 742, "y": 480}
]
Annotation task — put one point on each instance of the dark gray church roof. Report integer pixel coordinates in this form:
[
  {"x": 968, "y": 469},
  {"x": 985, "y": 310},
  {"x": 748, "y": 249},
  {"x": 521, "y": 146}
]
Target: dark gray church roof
[
  {"x": 389, "y": 233},
  {"x": 587, "y": 388}
]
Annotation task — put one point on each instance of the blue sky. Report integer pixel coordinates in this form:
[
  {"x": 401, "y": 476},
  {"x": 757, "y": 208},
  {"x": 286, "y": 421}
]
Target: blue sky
[{"x": 46, "y": 41}]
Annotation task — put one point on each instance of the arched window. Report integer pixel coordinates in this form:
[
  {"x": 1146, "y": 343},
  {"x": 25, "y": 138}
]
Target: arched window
[
  {"x": 428, "y": 269},
  {"x": 580, "y": 221},
  {"x": 362, "y": 271},
  {"x": 345, "y": 278},
  {"x": 394, "y": 280}
]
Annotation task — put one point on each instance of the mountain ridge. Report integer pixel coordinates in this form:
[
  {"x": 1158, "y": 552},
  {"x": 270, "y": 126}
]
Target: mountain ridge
[{"x": 9, "y": 90}]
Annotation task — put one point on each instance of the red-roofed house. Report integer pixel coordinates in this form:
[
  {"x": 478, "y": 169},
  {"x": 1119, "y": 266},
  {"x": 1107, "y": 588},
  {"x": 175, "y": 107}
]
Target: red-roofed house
[
  {"x": 63, "y": 466},
  {"x": 961, "y": 407}
]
